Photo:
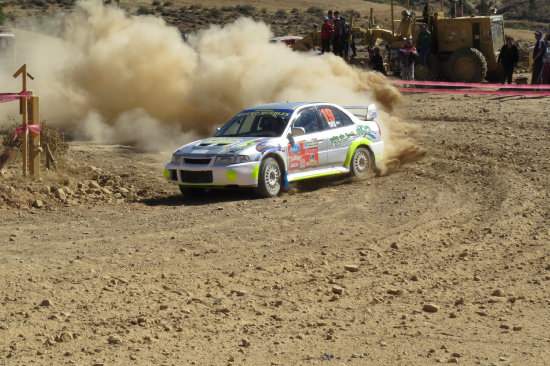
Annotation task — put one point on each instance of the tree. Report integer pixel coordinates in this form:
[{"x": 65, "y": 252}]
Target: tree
[{"x": 483, "y": 7}]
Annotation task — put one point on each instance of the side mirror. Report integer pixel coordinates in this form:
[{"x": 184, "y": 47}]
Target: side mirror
[
  {"x": 298, "y": 131},
  {"x": 217, "y": 129},
  {"x": 371, "y": 112}
]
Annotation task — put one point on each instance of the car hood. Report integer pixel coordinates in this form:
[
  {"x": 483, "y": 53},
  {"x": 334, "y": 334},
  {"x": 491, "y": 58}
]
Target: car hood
[{"x": 230, "y": 145}]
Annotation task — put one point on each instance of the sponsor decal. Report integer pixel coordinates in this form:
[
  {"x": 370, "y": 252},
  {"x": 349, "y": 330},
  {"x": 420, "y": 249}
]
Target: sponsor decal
[
  {"x": 361, "y": 130},
  {"x": 263, "y": 147},
  {"x": 273, "y": 112},
  {"x": 304, "y": 154}
]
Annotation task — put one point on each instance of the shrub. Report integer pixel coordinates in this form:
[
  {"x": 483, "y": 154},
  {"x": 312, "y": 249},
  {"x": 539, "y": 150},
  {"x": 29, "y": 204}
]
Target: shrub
[
  {"x": 245, "y": 9},
  {"x": 215, "y": 13},
  {"x": 168, "y": 3},
  {"x": 155, "y": 3},
  {"x": 2, "y": 16},
  {"x": 195, "y": 7},
  {"x": 316, "y": 11},
  {"x": 143, "y": 10},
  {"x": 281, "y": 13},
  {"x": 295, "y": 11},
  {"x": 49, "y": 135}
]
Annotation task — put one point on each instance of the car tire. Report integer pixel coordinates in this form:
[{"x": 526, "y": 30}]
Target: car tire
[
  {"x": 362, "y": 163},
  {"x": 190, "y": 192},
  {"x": 269, "y": 179}
]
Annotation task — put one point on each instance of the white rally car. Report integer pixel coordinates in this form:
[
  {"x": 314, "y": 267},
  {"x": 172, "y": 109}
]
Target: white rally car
[{"x": 268, "y": 146}]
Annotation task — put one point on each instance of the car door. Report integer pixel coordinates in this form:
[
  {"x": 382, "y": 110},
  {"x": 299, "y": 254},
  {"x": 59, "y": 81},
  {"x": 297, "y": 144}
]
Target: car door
[
  {"x": 340, "y": 133},
  {"x": 307, "y": 152}
]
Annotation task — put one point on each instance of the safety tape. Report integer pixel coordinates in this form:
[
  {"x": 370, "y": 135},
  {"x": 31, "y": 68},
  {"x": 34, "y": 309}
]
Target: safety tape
[
  {"x": 473, "y": 85},
  {"x": 10, "y": 97},
  {"x": 473, "y": 91},
  {"x": 26, "y": 128}
]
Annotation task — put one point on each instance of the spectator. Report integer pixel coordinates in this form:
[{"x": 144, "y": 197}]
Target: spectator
[
  {"x": 508, "y": 57},
  {"x": 343, "y": 34},
  {"x": 546, "y": 64},
  {"x": 377, "y": 62},
  {"x": 330, "y": 18},
  {"x": 335, "y": 32},
  {"x": 424, "y": 43},
  {"x": 538, "y": 55},
  {"x": 408, "y": 56},
  {"x": 326, "y": 35}
]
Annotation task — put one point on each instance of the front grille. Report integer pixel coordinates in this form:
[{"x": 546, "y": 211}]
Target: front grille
[
  {"x": 203, "y": 161},
  {"x": 191, "y": 176},
  {"x": 173, "y": 174}
]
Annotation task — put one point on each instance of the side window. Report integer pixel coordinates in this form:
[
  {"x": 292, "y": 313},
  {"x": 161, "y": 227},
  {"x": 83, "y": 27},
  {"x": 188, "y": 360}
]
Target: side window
[
  {"x": 308, "y": 121},
  {"x": 333, "y": 118}
]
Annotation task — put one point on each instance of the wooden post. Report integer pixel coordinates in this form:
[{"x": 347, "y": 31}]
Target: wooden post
[
  {"x": 23, "y": 110},
  {"x": 34, "y": 119},
  {"x": 371, "y": 21},
  {"x": 392, "y": 21}
]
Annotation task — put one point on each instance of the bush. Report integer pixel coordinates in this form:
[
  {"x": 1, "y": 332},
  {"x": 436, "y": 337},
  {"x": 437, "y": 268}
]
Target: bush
[
  {"x": 49, "y": 135},
  {"x": 195, "y": 7},
  {"x": 245, "y": 9},
  {"x": 281, "y": 13},
  {"x": 316, "y": 11},
  {"x": 215, "y": 13},
  {"x": 143, "y": 10},
  {"x": 227, "y": 8},
  {"x": 2, "y": 16},
  {"x": 295, "y": 11},
  {"x": 168, "y": 3},
  {"x": 155, "y": 3}
]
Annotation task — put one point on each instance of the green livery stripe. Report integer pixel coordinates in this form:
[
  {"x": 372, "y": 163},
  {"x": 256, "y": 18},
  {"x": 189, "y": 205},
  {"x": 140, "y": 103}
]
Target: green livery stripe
[
  {"x": 255, "y": 171},
  {"x": 166, "y": 173},
  {"x": 354, "y": 145},
  {"x": 317, "y": 175},
  {"x": 202, "y": 185}
]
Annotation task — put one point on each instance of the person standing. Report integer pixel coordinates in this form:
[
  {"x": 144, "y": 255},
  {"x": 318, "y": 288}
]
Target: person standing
[
  {"x": 546, "y": 62},
  {"x": 326, "y": 35},
  {"x": 508, "y": 58},
  {"x": 377, "y": 62},
  {"x": 408, "y": 56},
  {"x": 538, "y": 54},
  {"x": 424, "y": 43}
]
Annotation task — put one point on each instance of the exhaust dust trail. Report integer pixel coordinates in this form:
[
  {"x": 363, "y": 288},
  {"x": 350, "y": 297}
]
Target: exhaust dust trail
[{"x": 113, "y": 77}]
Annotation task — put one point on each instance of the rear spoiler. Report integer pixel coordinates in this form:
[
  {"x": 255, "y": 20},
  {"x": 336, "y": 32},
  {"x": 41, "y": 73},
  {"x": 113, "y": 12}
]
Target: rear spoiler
[{"x": 370, "y": 114}]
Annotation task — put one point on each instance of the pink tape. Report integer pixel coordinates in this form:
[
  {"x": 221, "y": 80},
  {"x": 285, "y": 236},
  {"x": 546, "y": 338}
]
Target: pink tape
[
  {"x": 472, "y": 91},
  {"x": 10, "y": 97},
  {"x": 473, "y": 85},
  {"x": 25, "y": 128}
]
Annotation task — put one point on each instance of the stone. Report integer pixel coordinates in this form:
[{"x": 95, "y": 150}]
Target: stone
[
  {"x": 46, "y": 303},
  {"x": 113, "y": 339},
  {"x": 430, "y": 308},
  {"x": 351, "y": 268},
  {"x": 245, "y": 342},
  {"x": 498, "y": 293},
  {"x": 337, "y": 290},
  {"x": 60, "y": 193},
  {"x": 37, "y": 204},
  {"x": 395, "y": 292}
]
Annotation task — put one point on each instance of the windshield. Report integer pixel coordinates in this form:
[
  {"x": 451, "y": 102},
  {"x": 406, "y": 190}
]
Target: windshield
[
  {"x": 498, "y": 33},
  {"x": 257, "y": 123}
]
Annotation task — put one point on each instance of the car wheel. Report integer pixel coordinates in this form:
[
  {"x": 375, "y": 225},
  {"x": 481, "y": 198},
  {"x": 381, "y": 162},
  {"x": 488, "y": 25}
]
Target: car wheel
[
  {"x": 190, "y": 192},
  {"x": 362, "y": 164},
  {"x": 269, "y": 180}
]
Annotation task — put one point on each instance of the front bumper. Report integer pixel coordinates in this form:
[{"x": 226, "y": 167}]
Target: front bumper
[{"x": 242, "y": 175}]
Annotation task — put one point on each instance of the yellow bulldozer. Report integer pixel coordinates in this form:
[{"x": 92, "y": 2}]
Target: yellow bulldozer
[{"x": 464, "y": 48}]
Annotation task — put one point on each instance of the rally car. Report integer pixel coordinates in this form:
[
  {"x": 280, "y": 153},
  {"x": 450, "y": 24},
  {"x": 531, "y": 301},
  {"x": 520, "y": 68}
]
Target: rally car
[{"x": 268, "y": 146}]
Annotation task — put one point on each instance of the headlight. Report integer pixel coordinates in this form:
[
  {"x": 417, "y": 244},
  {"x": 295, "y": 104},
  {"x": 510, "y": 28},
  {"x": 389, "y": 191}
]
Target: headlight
[
  {"x": 231, "y": 159},
  {"x": 176, "y": 159}
]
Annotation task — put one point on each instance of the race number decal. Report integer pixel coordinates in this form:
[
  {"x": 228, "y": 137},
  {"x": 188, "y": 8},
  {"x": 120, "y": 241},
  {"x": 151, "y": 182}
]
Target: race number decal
[{"x": 327, "y": 113}]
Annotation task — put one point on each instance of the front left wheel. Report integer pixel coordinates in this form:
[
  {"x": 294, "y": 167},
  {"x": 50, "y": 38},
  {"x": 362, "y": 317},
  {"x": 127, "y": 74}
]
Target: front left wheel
[
  {"x": 362, "y": 163},
  {"x": 269, "y": 180}
]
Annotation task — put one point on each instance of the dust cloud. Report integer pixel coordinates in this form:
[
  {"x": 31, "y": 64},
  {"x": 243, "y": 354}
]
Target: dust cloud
[{"x": 113, "y": 77}]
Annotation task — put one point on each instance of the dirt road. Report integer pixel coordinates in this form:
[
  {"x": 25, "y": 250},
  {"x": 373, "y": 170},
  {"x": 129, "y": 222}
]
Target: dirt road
[{"x": 446, "y": 259}]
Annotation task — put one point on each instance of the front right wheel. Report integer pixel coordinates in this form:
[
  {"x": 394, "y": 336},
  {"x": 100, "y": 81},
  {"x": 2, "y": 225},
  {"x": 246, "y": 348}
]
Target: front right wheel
[
  {"x": 362, "y": 163},
  {"x": 269, "y": 179}
]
